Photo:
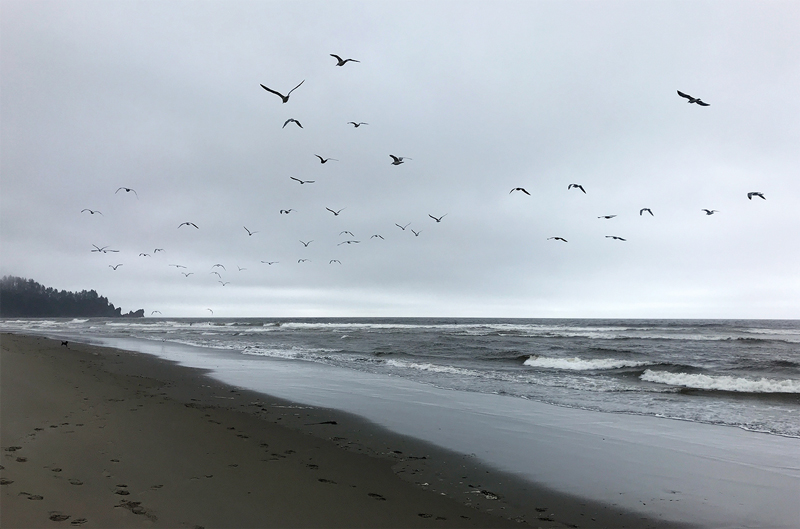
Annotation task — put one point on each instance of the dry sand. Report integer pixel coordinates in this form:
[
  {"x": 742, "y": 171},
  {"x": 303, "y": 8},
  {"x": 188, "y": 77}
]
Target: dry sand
[{"x": 97, "y": 437}]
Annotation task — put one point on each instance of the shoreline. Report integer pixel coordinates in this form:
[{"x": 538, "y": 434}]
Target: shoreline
[{"x": 173, "y": 426}]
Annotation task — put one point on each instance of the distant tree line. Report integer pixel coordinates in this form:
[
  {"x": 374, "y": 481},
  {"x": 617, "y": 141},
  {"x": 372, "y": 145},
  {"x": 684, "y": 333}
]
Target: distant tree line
[{"x": 25, "y": 298}]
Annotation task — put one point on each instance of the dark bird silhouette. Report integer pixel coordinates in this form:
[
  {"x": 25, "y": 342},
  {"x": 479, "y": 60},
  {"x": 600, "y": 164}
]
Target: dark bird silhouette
[
  {"x": 211, "y": 311},
  {"x": 223, "y": 283},
  {"x": 219, "y": 266},
  {"x": 158, "y": 250},
  {"x": 178, "y": 266},
  {"x": 115, "y": 266},
  {"x": 606, "y": 216},
  {"x": 519, "y": 189},
  {"x": 285, "y": 98},
  {"x": 335, "y": 213},
  {"x": 578, "y": 186},
  {"x": 127, "y": 190},
  {"x": 334, "y": 261},
  {"x": 350, "y": 233},
  {"x": 250, "y": 233},
  {"x": 755, "y": 194},
  {"x": 615, "y": 238},
  {"x": 302, "y": 260},
  {"x": 348, "y": 242},
  {"x": 397, "y": 160},
  {"x": 416, "y": 233},
  {"x": 693, "y": 99},
  {"x": 302, "y": 181},
  {"x": 378, "y": 236},
  {"x": 647, "y": 210},
  {"x": 187, "y": 274},
  {"x": 402, "y": 227},
  {"x": 356, "y": 125},
  {"x": 291, "y": 120},
  {"x": 305, "y": 244},
  {"x": 325, "y": 160},
  {"x": 340, "y": 61},
  {"x": 270, "y": 262},
  {"x": 144, "y": 255},
  {"x": 240, "y": 268},
  {"x": 92, "y": 211},
  {"x": 189, "y": 224},
  {"x": 215, "y": 272},
  {"x": 439, "y": 219},
  {"x": 104, "y": 249},
  {"x": 557, "y": 239},
  {"x": 710, "y": 211},
  {"x": 286, "y": 211}
]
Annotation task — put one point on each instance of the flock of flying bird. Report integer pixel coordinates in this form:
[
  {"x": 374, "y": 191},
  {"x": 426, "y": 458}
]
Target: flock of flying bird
[{"x": 395, "y": 160}]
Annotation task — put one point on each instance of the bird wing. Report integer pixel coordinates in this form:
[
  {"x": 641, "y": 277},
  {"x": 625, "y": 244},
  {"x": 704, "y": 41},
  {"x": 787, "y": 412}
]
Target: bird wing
[
  {"x": 295, "y": 88},
  {"x": 293, "y": 178},
  {"x": 337, "y": 57},
  {"x": 273, "y": 91},
  {"x": 395, "y": 158},
  {"x": 703, "y": 103},
  {"x": 687, "y": 96}
]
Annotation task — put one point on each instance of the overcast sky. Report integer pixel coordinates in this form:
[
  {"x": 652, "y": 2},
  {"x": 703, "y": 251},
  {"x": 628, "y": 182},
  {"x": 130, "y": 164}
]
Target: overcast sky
[{"x": 483, "y": 97}]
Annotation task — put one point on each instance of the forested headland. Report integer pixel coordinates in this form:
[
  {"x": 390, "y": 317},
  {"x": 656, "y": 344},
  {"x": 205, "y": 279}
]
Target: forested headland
[{"x": 25, "y": 298}]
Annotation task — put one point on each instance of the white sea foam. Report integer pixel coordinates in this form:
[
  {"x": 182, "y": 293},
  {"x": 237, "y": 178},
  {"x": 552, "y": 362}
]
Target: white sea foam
[
  {"x": 722, "y": 382},
  {"x": 579, "y": 364}
]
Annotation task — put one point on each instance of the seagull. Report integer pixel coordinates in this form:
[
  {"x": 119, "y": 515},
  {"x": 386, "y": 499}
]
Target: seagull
[
  {"x": 335, "y": 213},
  {"x": 437, "y": 219},
  {"x": 250, "y": 233},
  {"x": 223, "y": 283},
  {"x": 305, "y": 244},
  {"x": 270, "y": 262},
  {"x": 115, "y": 266},
  {"x": 187, "y": 274},
  {"x": 606, "y": 216},
  {"x": 240, "y": 268},
  {"x": 144, "y": 255},
  {"x": 127, "y": 190},
  {"x": 334, "y": 261},
  {"x": 402, "y": 227},
  {"x": 342, "y": 62},
  {"x": 215, "y": 272},
  {"x": 325, "y": 160},
  {"x": 158, "y": 250},
  {"x": 302, "y": 181},
  {"x": 647, "y": 210},
  {"x": 103, "y": 249},
  {"x": 577, "y": 186},
  {"x": 397, "y": 160},
  {"x": 416, "y": 233},
  {"x": 615, "y": 238},
  {"x": 356, "y": 125},
  {"x": 178, "y": 266},
  {"x": 519, "y": 189},
  {"x": 693, "y": 99},
  {"x": 92, "y": 211},
  {"x": 155, "y": 312},
  {"x": 710, "y": 211},
  {"x": 291, "y": 120},
  {"x": 348, "y": 242},
  {"x": 378, "y": 236},
  {"x": 188, "y": 224},
  {"x": 286, "y": 211},
  {"x": 557, "y": 239},
  {"x": 347, "y": 232},
  {"x": 285, "y": 98},
  {"x": 755, "y": 194},
  {"x": 220, "y": 266},
  {"x": 302, "y": 260},
  {"x": 211, "y": 311}
]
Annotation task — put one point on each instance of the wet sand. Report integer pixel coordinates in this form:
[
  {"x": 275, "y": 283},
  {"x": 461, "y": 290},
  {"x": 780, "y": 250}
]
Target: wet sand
[{"x": 98, "y": 437}]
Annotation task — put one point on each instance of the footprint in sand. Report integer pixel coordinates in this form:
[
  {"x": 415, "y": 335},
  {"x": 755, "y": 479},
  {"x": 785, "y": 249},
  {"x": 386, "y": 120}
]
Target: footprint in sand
[
  {"x": 376, "y": 496},
  {"x": 312, "y": 466},
  {"x": 323, "y": 480},
  {"x": 79, "y": 521},
  {"x": 75, "y": 482},
  {"x": 58, "y": 517},
  {"x": 21, "y": 459},
  {"x": 13, "y": 448},
  {"x": 5, "y": 481},
  {"x": 56, "y": 469}
]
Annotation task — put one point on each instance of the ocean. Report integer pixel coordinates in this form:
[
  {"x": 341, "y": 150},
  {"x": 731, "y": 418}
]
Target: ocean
[{"x": 741, "y": 373}]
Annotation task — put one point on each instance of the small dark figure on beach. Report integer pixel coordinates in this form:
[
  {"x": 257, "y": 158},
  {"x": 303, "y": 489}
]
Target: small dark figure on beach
[{"x": 65, "y": 344}]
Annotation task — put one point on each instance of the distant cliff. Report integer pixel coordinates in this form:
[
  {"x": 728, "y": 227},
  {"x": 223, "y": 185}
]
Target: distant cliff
[{"x": 25, "y": 298}]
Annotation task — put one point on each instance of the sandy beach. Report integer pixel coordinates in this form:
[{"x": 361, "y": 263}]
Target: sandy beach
[{"x": 99, "y": 437}]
